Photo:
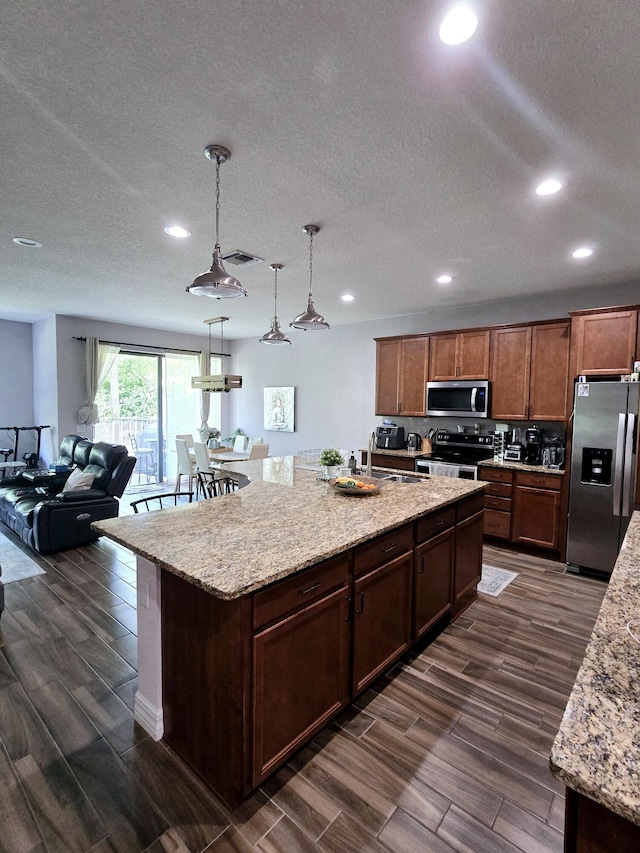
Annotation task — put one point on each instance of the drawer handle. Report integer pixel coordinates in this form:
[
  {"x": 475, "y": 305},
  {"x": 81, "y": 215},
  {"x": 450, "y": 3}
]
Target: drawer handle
[
  {"x": 391, "y": 547},
  {"x": 360, "y": 605},
  {"x": 420, "y": 568},
  {"x": 439, "y": 523},
  {"x": 309, "y": 589}
]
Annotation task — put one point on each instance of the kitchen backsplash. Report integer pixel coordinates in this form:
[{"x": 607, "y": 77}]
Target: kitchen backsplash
[{"x": 551, "y": 429}]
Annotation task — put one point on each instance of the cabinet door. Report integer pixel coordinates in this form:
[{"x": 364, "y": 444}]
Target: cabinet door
[
  {"x": 468, "y": 567},
  {"x": 605, "y": 342},
  {"x": 549, "y": 383},
  {"x": 433, "y": 581},
  {"x": 300, "y": 678},
  {"x": 414, "y": 356},
  {"x": 510, "y": 368},
  {"x": 472, "y": 355},
  {"x": 387, "y": 376},
  {"x": 382, "y": 619},
  {"x": 537, "y": 517},
  {"x": 442, "y": 360}
]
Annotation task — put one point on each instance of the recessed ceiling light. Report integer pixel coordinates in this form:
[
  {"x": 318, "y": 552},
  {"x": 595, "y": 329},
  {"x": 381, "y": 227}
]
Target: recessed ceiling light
[
  {"x": 582, "y": 253},
  {"x": 177, "y": 231},
  {"x": 459, "y": 24},
  {"x": 347, "y": 297},
  {"x": 444, "y": 279},
  {"x": 27, "y": 242},
  {"x": 549, "y": 187}
]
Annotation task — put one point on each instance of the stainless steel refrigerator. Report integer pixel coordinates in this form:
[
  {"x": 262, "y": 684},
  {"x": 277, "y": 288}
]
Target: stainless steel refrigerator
[{"x": 603, "y": 472}]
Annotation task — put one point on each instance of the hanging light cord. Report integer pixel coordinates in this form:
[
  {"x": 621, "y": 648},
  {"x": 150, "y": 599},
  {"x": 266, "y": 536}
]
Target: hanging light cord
[
  {"x": 275, "y": 296},
  {"x": 310, "y": 260},
  {"x": 218, "y": 200}
]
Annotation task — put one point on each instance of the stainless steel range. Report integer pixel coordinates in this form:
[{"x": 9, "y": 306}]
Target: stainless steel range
[{"x": 456, "y": 454}]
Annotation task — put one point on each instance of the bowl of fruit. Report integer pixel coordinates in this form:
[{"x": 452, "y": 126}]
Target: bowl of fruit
[{"x": 359, "y": 486}]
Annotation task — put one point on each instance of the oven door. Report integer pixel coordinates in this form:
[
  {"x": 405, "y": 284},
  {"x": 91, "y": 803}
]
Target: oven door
[{"x": 447, "y": 469}]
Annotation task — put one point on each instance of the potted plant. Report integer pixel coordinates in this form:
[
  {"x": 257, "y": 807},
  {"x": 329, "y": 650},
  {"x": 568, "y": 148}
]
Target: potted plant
[
  {"x": 209, "y": 436},
  {"x": 331, "y": 460}
]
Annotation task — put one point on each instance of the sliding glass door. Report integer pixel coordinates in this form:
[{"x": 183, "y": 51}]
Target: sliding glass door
[{"x": 145, "y": 401}]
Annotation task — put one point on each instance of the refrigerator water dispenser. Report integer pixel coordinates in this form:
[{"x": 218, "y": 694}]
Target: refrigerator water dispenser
[{"x": 596, "y": 466}]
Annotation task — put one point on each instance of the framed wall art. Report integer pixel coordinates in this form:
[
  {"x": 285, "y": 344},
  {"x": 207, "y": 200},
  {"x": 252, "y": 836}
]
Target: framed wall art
[{"x": 279, "y": 405}]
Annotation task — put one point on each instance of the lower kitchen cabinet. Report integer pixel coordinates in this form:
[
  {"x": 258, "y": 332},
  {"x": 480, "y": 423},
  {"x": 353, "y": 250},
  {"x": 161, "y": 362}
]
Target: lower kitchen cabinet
[
  {"x": 381, "y": 619},
  {"x": 523, "y": 506},
  {"x": 497, "y": 502},
  {"x": 246, "y": 682},
  {"x": 536, "y": 519},
  {"x": 468, "y": 562},
  {"x": 433, "y": 580},
  {"x": 304, "y": 655}
]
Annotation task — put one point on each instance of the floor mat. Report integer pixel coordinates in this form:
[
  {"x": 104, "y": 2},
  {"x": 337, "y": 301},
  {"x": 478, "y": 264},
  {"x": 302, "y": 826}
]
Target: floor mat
[
  {"x": 495, "y": 580},
  {"x": 16, "y": 565}
]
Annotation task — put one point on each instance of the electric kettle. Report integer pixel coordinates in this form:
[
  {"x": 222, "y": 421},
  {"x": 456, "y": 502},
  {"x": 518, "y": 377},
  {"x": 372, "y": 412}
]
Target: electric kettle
[{"x": 414, "y": 441}]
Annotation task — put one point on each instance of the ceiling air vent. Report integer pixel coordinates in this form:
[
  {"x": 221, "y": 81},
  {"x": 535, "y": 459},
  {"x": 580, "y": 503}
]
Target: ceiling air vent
[{"x": 241, "y": 259}]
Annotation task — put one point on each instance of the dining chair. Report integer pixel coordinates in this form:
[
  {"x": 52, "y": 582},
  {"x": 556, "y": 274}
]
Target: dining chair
[
  {"x": 146, "y": 459},
  {"x": 158, "y": 501},
  {"x": 186, "y": 466},
  {"x": 259, "y": 451},
  {"x": 188, "y": 438},
  {"x": 240, "y": 444}
]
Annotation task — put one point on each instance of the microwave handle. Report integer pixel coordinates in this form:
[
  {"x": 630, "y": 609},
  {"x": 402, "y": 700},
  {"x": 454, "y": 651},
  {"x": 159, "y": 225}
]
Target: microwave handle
[{"x": 474, "y": 394}]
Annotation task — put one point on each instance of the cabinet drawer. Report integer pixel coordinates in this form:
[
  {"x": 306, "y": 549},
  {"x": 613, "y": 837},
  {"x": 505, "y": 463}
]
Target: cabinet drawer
[
  {"x": 539, "y": 481},
  {"x": 399, "y": 463},
  {"x": 299, "y": 590},
  {"x": 500, "y": 490},
  {"x": 502, "y": 504},
  {"x": 496, "y": 475},
  {"x": 381, "y": 550},
  {"x": 497, "y": 524},
  {"x": 470, "y": 506},
  {"x": 435, "y": 523}
]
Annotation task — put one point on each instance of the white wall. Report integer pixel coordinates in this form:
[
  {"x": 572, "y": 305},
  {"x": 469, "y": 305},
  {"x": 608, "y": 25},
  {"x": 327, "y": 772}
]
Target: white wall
[
  {"x": 334, "y": 371},
  {"x": 16, "y": 382}
]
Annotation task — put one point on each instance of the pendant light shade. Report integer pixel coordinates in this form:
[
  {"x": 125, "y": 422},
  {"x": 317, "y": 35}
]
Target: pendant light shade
[
  {"x": 217, "y": 282},
  {"x": 274, "y": 336},
  {"x": 310, "y": 319}
]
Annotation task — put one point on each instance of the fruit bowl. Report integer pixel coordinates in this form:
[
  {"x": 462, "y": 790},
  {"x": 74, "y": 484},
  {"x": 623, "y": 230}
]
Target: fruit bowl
[{"x": 349, "y": 486}]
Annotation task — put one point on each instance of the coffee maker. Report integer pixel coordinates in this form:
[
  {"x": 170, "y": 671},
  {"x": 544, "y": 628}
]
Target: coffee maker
[{"x": 533, "y": 441}]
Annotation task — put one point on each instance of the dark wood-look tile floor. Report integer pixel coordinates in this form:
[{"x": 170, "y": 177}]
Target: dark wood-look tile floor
[{"x": 448, "y": 751}]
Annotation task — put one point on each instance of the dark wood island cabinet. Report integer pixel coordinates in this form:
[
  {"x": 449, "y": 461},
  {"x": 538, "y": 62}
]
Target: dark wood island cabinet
[{"x": 252, "y": 669}]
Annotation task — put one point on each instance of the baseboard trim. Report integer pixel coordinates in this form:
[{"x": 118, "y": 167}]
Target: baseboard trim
[{"x": 148, "y": 716}]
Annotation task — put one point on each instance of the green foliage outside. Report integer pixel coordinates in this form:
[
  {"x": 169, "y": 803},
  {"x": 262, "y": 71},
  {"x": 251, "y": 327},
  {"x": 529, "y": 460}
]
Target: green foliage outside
[{"x": 131, "y": 390}]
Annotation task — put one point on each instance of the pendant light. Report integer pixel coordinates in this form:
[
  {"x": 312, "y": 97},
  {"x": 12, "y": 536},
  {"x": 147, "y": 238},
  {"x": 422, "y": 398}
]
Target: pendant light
[
  {"x": 274, "y": 336},
  {"x": 223, "y": 381},
  {"x": 310, "y": 319},
  {"x": 217, "y": 282}
]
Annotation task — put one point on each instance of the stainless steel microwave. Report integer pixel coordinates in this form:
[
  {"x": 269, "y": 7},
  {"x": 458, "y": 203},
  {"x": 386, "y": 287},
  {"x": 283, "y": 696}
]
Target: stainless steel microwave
[{"x": 458, "y": 398}]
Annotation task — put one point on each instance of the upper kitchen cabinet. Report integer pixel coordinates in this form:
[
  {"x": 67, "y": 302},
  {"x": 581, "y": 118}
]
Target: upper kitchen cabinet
[
  {"x": 401, "y": 375},
  {"x": 604, "y": 341},
  {"x": 460, "y": 355},
  {"x": 529, "y": 372}
]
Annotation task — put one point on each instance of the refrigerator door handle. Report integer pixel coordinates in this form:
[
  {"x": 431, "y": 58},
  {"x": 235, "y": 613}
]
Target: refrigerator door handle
[
  {"x": 628, "y": 466},
  {"x": 617, "y": 477}
]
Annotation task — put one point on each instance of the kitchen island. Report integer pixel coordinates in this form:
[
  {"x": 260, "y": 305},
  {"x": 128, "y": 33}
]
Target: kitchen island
[
  {"x": 263, "y": 613},
  {"x": 596, "y": 752}
]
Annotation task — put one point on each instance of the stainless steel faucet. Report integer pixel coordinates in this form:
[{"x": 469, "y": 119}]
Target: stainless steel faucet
[{"x": 372, "y": 444}]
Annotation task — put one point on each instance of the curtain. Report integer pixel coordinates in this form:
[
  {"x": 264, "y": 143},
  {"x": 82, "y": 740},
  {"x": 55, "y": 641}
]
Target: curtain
[
  {"x": 98, "y": 361},
  {"x": 204, "y": 366}
]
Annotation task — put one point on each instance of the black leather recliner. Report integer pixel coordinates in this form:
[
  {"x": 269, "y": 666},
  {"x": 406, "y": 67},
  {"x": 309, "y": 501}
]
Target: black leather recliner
[{"x": 58, "y": 520}]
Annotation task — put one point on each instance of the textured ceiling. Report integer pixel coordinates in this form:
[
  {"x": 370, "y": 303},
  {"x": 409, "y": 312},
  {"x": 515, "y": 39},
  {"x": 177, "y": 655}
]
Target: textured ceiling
[{"x": 413, "y": 158}]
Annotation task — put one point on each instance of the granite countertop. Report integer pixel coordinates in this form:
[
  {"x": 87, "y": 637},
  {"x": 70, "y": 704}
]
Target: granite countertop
[
  {"x": 283, "y": 521},
  {"x": 597, "y": 749},
  {"x": 519, "y": 466}
]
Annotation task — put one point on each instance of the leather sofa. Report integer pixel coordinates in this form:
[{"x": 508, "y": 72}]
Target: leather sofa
[{"x": 49, "y": 519}]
